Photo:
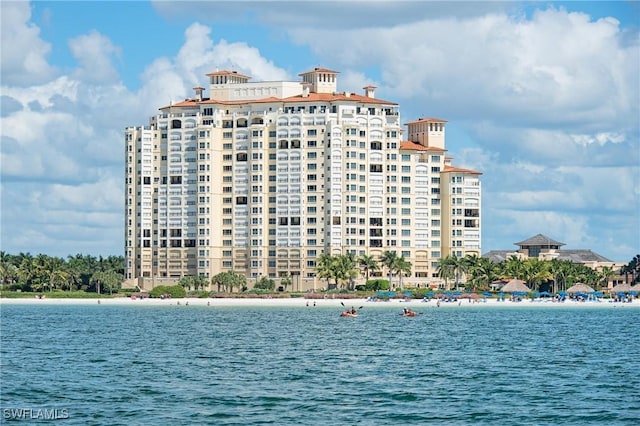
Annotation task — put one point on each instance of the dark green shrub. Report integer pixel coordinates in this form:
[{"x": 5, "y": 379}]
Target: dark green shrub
[
  {"x": 377, "y": 284},
  {"x": 174, "y": 291}
]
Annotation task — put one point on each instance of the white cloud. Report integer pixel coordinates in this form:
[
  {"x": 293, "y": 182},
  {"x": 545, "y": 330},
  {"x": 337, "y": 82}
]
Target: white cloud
[
  {"x": 340, "y": 13},
  {"x": 547, "y": 107},
  {"x": 599, "y": 138},
  {"x": 23, "y": 53},
  {"x": 62, "y": 138},
  {"x": 199, "y": 53},
  {"x": 94, "y": 52}
]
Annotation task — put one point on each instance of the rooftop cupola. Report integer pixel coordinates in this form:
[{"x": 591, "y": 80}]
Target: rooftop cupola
[
  {"x": 369, "y": 91},
  {"x": 227, "y": 77},
  {"x": 322, "y": 80},
  {"x": 199, "y": 90}
]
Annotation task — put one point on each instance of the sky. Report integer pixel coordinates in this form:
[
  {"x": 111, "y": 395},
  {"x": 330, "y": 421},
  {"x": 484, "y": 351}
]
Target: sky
[{"x": 541, "y": 97}]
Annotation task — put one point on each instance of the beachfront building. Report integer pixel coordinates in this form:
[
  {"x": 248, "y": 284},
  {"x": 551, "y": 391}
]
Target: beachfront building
[
  {"x": 544, "y": 248},
  {"x": 261, "y": 178}
]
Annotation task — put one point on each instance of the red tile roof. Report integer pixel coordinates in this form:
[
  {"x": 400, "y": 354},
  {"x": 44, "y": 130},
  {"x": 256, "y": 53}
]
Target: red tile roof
[
  {"x": 412, "y": 146},
  {"x": 319, "y": 69},
  {"x": 428, "y": 120},
  {"x": 332, "y": 97},
  {"x": 451, "y": 169},
  {"x": 227, "y": 72},
  {"x": 312, "y": 97}
]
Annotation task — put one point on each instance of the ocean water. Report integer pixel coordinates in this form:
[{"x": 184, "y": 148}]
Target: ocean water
[{"x": 181, "y": 365}]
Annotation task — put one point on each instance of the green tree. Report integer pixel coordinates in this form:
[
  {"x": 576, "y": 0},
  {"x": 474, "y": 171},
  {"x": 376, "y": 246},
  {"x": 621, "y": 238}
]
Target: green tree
[
  {"x": 106, "y": 280},
  {"x": 229, "y": 280},
  {"x": 445, "y": 270},
  {"x": 388, "y": 260},
  {"x": 348, "y": 269},
  {"x": 285, "y": 281},
  {"x": 513, "y": 267},
  {"x": 195, "y": 281},
  {"x": 324, "y": 267},
  {"x": 402, "y": 267},
  {"x": 604, "y": 276},
  {"x": 368, "y": 264},
  {"x": 8, "y": 269},
  {"x": 482, "y": 272},
  {"x": 265, "y": 283},
  {"x": 632, "y": 268},
  {"x": 535, "y": 272}
]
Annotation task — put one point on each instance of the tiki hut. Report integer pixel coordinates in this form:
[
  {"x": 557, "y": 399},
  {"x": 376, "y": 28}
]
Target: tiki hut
[
  {"x": 579, "y": 288},
  {"x": 515, "y": 285},
  {"x": 621, "y": 288}
]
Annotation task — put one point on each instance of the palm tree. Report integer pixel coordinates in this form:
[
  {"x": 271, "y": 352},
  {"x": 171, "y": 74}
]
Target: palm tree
[
  {"x": 369, "y": 264},
  {"x": 348, "y": 269},
  {"x": 285, "y": 280},
  {"x": 388, "y": 259},
  {"x": 445, "y": 270},
  {"x": 8, "y": 270},
  {"x": 402, "y": 267},
  {"x": 460, "y": 268},
  {"x": 563, "y": 274},
  {"x": 513, "y": 267},
  {"x": 482, "y": 272},
  {"x": 51, "y": 270},
  {"x": 27, "y": 273},
  {"x": 633, "y": 268},
  {"x": 605, "y": 275},
  {"x": 324, "y": 267},
  {"x": 536, "y": 272}
]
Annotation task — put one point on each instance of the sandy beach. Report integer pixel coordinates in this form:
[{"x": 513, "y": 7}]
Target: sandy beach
[{"x": 328, "y": 302}]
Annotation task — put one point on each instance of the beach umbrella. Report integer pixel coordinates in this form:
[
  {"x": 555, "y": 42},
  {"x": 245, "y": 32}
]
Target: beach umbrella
[
  {"x": 544, "y": 293},
  {"x": 487, "y": 294}
]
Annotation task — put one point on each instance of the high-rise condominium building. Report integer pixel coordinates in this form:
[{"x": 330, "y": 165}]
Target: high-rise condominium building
[{"x": 263, "y": 177}]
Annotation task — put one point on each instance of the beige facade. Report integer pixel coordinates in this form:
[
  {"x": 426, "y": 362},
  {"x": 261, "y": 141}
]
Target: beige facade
[{"x": 264, "y": 177}]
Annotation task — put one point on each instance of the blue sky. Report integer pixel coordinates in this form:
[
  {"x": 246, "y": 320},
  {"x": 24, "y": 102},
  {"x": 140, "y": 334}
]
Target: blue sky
[{"x": 542, "y": 97}]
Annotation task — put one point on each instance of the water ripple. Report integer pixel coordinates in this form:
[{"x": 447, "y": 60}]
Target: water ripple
[{"x": 291, "y": 366}]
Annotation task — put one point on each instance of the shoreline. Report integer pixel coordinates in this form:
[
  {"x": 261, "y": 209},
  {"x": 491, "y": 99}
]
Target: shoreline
[{"x": 302, "y": 302}]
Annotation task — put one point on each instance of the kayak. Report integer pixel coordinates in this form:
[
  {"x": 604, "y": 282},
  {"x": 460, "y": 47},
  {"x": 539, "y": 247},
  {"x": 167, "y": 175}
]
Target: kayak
[
  {"x": 409, "y": 314},
  {"x": 348, "y": 314}
]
